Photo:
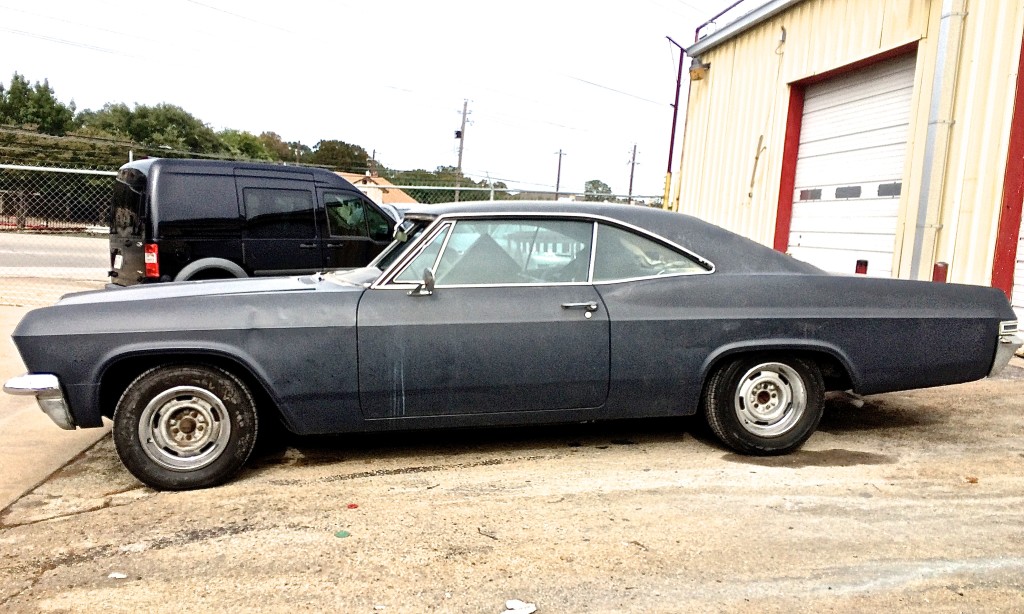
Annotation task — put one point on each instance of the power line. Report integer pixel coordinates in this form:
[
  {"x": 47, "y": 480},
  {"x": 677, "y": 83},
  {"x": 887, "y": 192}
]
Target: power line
[
  {"x": 612, "y": 89},
  {"x": 62, "y": 41},
  {"x": 237, "y": 16}
]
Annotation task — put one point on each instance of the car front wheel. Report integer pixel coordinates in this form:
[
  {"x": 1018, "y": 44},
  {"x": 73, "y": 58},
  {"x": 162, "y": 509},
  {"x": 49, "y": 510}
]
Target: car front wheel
[
  {"x": 185, "y": 426},
  {"x": 765, "y": 406}
]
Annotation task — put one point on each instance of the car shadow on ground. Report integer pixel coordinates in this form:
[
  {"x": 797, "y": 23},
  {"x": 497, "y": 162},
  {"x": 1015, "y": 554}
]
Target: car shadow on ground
[{"x": 842, "y": 416}]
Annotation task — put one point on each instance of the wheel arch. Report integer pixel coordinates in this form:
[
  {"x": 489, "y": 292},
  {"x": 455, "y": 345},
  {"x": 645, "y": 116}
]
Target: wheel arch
[
  {"x": 117, "y": 371},
  {"x": 836, "y": 368},
  {"x": 206, "y": 265}
]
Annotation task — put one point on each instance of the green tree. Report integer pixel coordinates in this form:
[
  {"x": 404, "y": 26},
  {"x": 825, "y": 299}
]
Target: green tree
[
  {"x": 35, "y": 106},
  {"x": 162, "y": 125},
  {"x": 339, "y": 155},
  {"x": 596, "y": 190},
  {"x": 275, "y": 145},
  {"x": 245, "y": 145}
]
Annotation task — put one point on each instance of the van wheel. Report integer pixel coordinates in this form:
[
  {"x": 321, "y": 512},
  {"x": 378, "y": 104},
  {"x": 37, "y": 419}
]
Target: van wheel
[
  {"x": 182, "y": 427},
  {"x": 765, "y": 406}
]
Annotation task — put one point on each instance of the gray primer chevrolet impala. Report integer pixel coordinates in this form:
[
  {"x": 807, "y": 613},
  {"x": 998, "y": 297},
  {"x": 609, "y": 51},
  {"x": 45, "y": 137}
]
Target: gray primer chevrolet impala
[{"x": 487, "y": 314}]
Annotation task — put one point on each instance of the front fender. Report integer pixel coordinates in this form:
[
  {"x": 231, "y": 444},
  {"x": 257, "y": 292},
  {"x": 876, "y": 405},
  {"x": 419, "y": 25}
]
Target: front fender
[{"x": 144, "y": 350}]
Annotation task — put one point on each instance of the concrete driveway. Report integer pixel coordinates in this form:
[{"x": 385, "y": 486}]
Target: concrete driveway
[{"x": 32, "y": 447}]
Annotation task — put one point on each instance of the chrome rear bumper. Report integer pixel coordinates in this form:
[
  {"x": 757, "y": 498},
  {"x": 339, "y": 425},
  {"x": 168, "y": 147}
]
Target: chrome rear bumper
[
  {"x": 1005, "y": 349},
  {"x": 45, "y": 387}
]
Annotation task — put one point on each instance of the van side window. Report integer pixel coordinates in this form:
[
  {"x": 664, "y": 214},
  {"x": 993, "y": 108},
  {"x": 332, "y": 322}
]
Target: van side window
[
  {"x": 273, "y": 213},
  {"x": 348, "y": 215}
]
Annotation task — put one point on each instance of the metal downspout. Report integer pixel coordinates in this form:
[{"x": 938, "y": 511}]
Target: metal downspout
[{"x": 940, "y": 127}]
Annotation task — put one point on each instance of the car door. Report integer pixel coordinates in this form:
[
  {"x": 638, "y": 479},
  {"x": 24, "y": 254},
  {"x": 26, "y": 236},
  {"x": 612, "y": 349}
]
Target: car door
[
  {"x": 280, "y": 223},
  {"x": 512, "y": 323},
  {"x": 355, "y": 230}
]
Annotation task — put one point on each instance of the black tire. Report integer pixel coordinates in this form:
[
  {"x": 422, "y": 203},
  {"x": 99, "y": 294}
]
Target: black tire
[
  {"x": 181, "y": 427},
  {"x": 765, "y": 405}
]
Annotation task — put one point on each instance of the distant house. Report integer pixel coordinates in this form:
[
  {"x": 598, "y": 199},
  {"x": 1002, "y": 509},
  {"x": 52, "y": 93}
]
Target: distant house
[
  {"x": 380, "y": 190},
  {"x": 886, "y": 135}
]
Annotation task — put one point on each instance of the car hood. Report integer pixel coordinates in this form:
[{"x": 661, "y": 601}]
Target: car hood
[{"x": 213, "y": 287}]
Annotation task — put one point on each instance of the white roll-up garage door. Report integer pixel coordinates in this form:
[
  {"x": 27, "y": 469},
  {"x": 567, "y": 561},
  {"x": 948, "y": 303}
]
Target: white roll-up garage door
[{"x": 853, "y": 141}]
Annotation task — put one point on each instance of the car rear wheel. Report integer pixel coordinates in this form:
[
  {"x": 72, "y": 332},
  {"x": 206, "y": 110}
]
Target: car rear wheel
[
  {"x": 765, "y": 406},
  {"x": 185, "y": 426}
]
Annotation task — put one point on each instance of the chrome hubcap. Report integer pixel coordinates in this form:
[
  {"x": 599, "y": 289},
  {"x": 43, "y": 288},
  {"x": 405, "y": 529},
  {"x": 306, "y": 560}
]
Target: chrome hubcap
[
  {"x": 770, "y": 399},
  {"x": 184, "y": 428}
]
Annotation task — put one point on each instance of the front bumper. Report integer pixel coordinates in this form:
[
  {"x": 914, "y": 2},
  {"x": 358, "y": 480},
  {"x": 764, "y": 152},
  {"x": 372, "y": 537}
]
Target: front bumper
[{"x": 45, "y": 387}]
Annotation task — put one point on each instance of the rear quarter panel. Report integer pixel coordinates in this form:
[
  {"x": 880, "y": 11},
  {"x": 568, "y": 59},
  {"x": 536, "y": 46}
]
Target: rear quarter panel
[{"x": 668, "y": 334}]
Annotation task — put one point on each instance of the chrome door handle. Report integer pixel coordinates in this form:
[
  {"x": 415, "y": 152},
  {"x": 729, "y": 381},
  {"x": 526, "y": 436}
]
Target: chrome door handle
[
  {"x": 308, "y": 245},
  {"x": 589, "y": 306}
]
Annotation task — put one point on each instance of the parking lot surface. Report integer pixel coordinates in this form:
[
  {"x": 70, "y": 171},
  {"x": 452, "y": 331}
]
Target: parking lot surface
[{"x": 913, "y": 502}]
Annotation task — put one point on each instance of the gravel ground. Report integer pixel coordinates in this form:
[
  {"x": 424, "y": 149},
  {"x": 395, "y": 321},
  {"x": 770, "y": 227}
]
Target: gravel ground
[{"x": 913, "y": 502}]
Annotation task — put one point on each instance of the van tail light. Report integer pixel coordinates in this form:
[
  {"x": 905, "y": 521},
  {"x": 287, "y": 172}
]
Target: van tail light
[{"x": 152, "y": 260}]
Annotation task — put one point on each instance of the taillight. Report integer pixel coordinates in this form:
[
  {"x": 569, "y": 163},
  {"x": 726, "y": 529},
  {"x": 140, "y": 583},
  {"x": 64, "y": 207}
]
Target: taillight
[{"x": 152, "y": 260}]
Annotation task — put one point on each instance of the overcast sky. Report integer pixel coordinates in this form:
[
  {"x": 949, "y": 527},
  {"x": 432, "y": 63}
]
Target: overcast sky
[{"x": 588, "y": 77}]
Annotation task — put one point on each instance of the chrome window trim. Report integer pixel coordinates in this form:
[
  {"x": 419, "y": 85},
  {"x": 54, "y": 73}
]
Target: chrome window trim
[
  {"x": 398, "y": 267},
  {"x": 385, "y": 281}
]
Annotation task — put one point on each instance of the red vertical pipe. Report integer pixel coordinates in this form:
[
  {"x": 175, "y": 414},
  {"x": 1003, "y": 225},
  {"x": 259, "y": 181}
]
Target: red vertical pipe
[
  {"x": 1013, "y": 194},
  {"x": 784, "y": 215}
]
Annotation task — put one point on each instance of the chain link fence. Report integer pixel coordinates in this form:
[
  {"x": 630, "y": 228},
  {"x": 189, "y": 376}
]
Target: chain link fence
[{"x": 54, "y": 224}]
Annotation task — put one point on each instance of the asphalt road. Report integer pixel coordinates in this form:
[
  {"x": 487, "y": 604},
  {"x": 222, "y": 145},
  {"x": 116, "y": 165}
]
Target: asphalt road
[
  {"x": 53, "y": 256},
  {"x": 913, "y": 502}
]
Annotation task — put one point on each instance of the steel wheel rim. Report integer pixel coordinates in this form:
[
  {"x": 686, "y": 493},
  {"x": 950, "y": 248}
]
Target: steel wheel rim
[
  {"x": 184, "y": 428},
  {"x": 770, "y": 399}
]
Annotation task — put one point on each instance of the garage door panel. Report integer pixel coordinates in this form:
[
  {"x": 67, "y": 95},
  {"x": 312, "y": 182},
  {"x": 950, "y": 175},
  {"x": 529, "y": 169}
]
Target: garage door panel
[
  {"x": 865, "y": 115},
  {"x": 852, "y": 168},
  {"x": 876, "y": 243},
  {"x": 833, "y": 209},
  {"x": 858, "y": 141},
  {"x": 845, "y": 261},
  {"x": 885, "y": 226},
  {"x": 873, "y": 80}
]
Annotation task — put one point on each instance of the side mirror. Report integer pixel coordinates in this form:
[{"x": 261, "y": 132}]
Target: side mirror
[
  {"x": 425, "y": 287},
  {"x": 400, "y": 235}
]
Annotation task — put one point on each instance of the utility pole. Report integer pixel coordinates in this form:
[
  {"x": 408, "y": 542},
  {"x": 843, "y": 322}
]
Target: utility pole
[
  {"x": 632, "y": 168},
  {"x": 558, "y": 178},
  {"x": 675, "y": 117},
  {"x": 461, "y": 135}
]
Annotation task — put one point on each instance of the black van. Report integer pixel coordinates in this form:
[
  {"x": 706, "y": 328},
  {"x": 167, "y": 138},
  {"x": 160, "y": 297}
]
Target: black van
[{"x": 177, "y": 220}]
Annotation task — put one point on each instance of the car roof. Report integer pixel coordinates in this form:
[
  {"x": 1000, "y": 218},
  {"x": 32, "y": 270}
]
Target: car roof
[{"x": 729, "y": 252}]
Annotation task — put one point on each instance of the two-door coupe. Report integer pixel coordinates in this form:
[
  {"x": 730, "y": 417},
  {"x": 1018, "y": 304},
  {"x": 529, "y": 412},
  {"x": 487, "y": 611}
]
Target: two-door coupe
[{"x": 487, "y": 314}]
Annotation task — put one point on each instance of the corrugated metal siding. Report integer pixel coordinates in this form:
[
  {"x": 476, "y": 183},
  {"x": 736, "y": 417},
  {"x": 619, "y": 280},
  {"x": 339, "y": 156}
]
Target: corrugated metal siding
[
  {"x": 747, "y": 92},
  {"x": 746, "y": 95}
]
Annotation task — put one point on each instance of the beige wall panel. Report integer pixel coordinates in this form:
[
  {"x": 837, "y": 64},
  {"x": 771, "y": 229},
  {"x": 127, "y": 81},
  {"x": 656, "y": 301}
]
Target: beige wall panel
[{"x": 982, "y": 114}]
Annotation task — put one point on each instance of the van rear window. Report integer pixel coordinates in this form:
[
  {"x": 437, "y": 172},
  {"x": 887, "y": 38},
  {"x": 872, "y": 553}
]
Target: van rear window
[{"x": 126, "y": 209}]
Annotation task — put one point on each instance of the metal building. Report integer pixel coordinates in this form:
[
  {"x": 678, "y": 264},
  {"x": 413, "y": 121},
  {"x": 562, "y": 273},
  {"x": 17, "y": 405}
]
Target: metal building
[{"x": 889, "y": 132}]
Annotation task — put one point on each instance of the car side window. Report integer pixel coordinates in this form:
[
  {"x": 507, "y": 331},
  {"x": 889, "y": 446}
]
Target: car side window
[
  {"x": 274, "y": 213},
  {"x": 621, "y": 254},
  {"x": 515, "y": 252}
]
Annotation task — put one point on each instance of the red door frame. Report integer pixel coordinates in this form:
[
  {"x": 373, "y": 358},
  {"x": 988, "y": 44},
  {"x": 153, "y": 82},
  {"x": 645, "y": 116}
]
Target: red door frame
[
  {"x": 1005, "y": 258},
  {"x": 791, "y": 145}
]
